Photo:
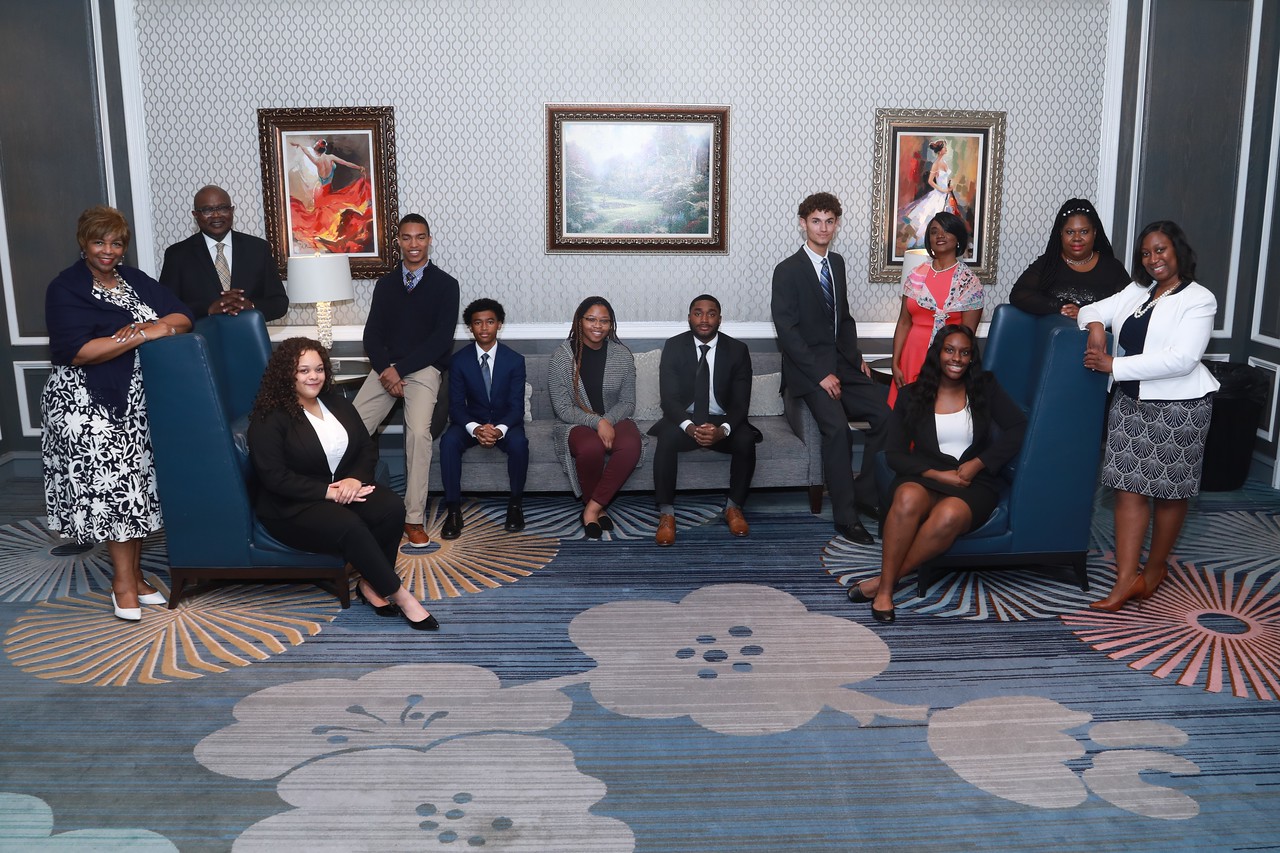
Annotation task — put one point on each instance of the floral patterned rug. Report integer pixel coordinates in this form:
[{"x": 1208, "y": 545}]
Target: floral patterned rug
[{"x": 718, "y": 695}]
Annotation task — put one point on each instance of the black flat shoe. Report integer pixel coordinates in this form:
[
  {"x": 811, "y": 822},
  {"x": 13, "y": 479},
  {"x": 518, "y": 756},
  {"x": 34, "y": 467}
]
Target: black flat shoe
[
  {"x": 871, "y": 511},
  {"x": 515, "y": 518},
  {"x": 884, "y": 617},
  {"x": 452, "y": 527},
  {"x": 428, "y": 624},
  {"x": 380, "y": 609},
  {"x": 605, "y": 522},
  {"x": 593, "y": 529},
  {"x": 856, "y": 533},
  {"x": 857, "y": 596}
]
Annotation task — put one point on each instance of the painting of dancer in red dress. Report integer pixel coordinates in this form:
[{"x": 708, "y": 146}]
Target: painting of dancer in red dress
[{"x": 331, "y": 199}]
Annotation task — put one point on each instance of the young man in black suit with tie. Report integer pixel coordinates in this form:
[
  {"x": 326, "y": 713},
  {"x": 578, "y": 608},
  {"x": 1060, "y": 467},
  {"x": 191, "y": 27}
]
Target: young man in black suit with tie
[
  {"x": 821, "y": 362},
  {"x": 220, "y": 271},
  {"x": 705, "y": 383},
  {"x": 486, "y": 407}
]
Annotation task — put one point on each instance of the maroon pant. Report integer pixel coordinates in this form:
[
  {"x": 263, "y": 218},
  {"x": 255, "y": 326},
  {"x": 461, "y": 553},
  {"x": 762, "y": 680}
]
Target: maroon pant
[{"x": 601, "y": 477}]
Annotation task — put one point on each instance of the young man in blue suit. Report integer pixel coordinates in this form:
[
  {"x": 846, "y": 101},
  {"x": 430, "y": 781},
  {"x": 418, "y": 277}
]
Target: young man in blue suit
[
  {"x": 220, "y": 271},
  {"x": 486, "y": 407}
]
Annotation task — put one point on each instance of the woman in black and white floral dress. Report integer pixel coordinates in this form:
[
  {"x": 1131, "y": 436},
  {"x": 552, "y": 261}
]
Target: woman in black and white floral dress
[{"x": 99, "y": 475}]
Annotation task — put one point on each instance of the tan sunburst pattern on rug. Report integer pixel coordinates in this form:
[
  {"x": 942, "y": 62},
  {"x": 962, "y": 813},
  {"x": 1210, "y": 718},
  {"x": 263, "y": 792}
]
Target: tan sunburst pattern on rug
[
  {"x": 37, "y": 564},
  {"x": 77, "y": 640},
  {"x": 484, "y": 557}
]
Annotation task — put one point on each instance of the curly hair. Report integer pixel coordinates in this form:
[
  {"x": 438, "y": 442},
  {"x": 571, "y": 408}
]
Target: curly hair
[
  {"x": 101, "y": 221},
  {"x": 923, "y": 393},
  {"x": 575, "y": 339},
  {"x": 821, "y": 203},
  {"x": 278, "y": 390},
  {"x": 1182, "y": 250}
]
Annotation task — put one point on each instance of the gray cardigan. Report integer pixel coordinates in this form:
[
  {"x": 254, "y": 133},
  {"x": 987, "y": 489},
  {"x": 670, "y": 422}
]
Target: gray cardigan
[{"x": 618, "y": 394}]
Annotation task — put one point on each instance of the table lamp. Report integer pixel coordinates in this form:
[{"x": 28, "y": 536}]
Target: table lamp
[{"x": 321, "y": 279}]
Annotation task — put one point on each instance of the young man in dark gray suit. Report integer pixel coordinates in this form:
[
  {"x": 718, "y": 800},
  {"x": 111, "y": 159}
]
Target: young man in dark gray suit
[
  {"x": 220, "y": 271},
  {"x": 821, "y": 362}
]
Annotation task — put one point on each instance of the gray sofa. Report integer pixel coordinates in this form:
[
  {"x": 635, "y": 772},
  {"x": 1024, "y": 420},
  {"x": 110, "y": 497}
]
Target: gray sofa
[{"x": 789, "y": 456}]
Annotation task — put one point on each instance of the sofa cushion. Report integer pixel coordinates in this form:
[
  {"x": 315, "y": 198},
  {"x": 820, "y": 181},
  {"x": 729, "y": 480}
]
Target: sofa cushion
[{"x": 648, "y": 394}]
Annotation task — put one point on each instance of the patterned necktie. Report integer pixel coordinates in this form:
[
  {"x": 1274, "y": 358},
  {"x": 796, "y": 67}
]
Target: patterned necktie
[
  {"x": 485, "y": 373},
  {"x": 409, "y": 282},
  {"x": 224, "y": 269},
  {"x": 702, "y": 389},
  {"x": 828, "y": 291}
]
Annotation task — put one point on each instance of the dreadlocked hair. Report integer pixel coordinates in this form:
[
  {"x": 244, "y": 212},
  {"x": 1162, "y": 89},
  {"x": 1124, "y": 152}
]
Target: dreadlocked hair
[
  {"x": 923, "y": 393},
  {"x": 278, "y": 388},
  {"x": 575, "y": 341}
]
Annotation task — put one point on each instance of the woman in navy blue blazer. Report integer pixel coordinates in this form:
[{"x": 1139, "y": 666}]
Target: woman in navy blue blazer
[{"x": 315, "y": 463}]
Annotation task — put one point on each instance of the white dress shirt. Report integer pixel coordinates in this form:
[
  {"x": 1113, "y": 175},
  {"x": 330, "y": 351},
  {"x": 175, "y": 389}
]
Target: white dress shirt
[
  {"x": 212, "y": 244},
  {"x": 332, "y": 434},
  {"x": 714, "y": 407},
  {"x": 493, "y": 358}
]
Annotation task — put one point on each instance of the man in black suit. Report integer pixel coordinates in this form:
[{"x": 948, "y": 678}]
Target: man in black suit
[
  {"x": 705, "y": 382},
  {"x": 220, "y": 271},
  {"x": 821, "y": 362}
]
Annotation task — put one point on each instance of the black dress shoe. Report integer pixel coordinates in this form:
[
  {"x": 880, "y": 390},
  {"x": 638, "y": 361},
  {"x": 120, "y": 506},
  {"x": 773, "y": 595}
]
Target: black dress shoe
[
  {"x": 857, "y": 596},
  {"x": 871, "y": 511},
  {"x": 387, "y": 609},
  {"x": 855, "y": 532},
  {"x": 592, "y": 529},
  {"x": 605, "y": 522},
  {"x": 428, "y": 624},
  {"x": 515, "y": 518},
  {"x": 884, "y": 617},
  {"x": 452, "y": 527}
]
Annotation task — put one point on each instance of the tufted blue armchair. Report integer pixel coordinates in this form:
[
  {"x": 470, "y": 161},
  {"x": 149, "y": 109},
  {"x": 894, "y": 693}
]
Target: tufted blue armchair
[{"x": 195, "y": 389}]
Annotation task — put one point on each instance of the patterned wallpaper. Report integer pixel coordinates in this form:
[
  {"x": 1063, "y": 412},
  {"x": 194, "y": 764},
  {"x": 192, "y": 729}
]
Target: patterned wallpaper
[{"x": 469, "y": 78}]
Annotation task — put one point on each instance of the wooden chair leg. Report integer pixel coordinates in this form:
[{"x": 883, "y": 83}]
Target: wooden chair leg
[{"x": 815, "y": 499}]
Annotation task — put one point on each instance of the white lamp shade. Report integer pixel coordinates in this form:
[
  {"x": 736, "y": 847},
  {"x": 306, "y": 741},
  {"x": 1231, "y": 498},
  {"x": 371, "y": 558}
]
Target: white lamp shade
[
  {"x": 319, "y": 278},
  {"x": 911, "y": 259}
]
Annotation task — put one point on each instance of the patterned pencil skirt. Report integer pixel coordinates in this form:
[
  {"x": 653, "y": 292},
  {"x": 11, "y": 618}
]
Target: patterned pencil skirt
[{"x": 1156, "y": 447}]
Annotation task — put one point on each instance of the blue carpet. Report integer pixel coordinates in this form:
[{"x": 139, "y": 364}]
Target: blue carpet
[{"x": 719, "y": 695}]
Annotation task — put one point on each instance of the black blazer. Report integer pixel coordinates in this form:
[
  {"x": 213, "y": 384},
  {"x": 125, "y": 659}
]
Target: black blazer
[
  {"x": 731, "y": 381},
  {"x": 293, "y": 472},
  {"x": 912, "y": 450},
  {"x": 810, "y": 347},
  {"x": 188, "y": 271}
]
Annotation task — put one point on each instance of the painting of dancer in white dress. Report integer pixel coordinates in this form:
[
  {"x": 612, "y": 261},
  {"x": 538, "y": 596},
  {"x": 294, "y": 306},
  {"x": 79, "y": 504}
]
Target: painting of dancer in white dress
[{"x": 934, "y": 174}]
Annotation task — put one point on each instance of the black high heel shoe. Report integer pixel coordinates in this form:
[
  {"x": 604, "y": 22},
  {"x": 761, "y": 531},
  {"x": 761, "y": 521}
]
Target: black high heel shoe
[
  {"x": 884, "y": 617},
  {"x": 428, "y": 624},
  {"x": 387, "y": 609}
]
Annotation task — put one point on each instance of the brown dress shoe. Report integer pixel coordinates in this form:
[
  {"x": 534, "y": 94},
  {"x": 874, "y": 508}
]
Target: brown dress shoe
[
  {"x": 417, "y": 536},
  {"x": 666, "y": 534},
  {"x": 737, "y": 524}
]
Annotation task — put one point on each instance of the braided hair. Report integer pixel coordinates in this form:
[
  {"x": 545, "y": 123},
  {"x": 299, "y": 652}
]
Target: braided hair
[
  {"x": 1053, "y": 262},
  {"x": 575, "y": 340}
]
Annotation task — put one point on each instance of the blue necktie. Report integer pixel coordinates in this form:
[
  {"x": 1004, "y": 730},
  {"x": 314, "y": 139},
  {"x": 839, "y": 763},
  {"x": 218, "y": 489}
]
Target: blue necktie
[
  {"x": 828, "y": 291},
  {"x": 410, "y": 282},
  {"x": 485, "y": 374}
]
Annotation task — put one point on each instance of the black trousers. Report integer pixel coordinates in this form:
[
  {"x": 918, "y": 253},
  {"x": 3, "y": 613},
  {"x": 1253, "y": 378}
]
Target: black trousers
[
  {"x": 672, "y": 441},
  {"x": 859, "y": 401},
  {"x": 366, "y": 534}
]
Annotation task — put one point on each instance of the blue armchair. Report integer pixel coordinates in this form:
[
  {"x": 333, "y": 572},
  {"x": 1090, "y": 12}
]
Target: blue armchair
[
  {"x": 1043, "y": 518},
  {"x": 194, "y": 391}
]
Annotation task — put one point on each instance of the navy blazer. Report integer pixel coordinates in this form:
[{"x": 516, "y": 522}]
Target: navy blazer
[
  {"x": 293, "y": 471},
  {"x": 189, "y": 272},
  {"x": 811, "y": 348},
  {"x": 468, "y": 401},
  {"x": 731, "y": 381}
]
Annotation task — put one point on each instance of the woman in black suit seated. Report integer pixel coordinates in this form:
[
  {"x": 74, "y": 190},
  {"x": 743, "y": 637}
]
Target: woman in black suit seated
[
  {"x": 942, "y": 444},
  {"x": 315, "y": 464},
  {"x": 1077, "y": 268}
]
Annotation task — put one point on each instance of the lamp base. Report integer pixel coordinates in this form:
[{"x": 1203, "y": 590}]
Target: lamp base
[{"x": 324, "y": 324}]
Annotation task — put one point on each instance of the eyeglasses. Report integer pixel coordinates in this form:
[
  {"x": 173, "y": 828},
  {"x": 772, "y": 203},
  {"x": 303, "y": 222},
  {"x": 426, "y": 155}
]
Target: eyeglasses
[
  {"x": 217, "y": 208},
  {"x": 597, "y": 321}
]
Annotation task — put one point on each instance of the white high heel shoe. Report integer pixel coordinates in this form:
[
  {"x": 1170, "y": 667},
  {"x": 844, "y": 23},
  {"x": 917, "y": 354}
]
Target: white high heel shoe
[
  {"x": 129, "y": 614},
  {"x": 156, "y": 597}
]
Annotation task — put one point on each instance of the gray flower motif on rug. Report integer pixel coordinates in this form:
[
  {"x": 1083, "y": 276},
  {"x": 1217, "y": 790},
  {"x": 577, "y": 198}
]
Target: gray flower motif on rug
[
  {"x": 1016, "y": 748},
  {"x": 739, "y": 659},
  {"x": 515, "y": 793},
  {"x": 411, "y": 706},
  {"x": 26, "y": 824}
]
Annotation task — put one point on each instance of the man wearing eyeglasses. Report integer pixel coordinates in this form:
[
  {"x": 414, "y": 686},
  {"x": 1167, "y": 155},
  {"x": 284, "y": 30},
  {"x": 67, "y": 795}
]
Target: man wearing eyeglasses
[{"x": 220, "y": 271}]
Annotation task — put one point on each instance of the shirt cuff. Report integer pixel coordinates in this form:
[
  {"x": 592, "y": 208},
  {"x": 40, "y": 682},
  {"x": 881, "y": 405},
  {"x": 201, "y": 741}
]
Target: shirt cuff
[
  {"x": 502, "y": 428},
  {"x": 472, "y": 426},
  {"x": 684, "y": 425}
]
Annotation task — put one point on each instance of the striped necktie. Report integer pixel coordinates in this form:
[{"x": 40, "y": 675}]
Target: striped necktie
[{"x": 223, "y": 268}]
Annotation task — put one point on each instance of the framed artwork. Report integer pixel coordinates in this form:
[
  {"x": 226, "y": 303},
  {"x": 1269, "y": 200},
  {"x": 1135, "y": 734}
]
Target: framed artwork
[
  {"x": 637, "y": 178},
  {"x": 329, "y": 184},
  {"x": 928, "y": 161}
]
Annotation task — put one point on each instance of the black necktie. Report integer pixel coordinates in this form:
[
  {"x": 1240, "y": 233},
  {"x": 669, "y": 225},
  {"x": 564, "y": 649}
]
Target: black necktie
[{"x": 702, "y": 389}]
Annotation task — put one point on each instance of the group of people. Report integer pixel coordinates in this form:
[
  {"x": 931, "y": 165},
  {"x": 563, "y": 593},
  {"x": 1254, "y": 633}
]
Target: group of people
[{"x": 947, "y": 431}]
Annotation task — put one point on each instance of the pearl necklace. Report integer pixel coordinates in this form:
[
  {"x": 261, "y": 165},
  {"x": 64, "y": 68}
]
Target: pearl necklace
[
  {"x": 933, "y": 269},
  {"x": 1142, "y": 309},
  {"x": 1080, "y": 263}
]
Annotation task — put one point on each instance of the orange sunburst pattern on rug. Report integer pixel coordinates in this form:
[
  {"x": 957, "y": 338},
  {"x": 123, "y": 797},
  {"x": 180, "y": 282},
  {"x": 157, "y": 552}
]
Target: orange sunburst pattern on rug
[
  {"x": 1200, "y": 628},
  {"x": 484, "y": 557},
  {"x": 77, "y": 640}
]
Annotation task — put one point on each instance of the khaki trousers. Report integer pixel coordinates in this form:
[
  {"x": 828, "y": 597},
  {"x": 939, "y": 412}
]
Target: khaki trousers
[{"x": 373, "y": 403}]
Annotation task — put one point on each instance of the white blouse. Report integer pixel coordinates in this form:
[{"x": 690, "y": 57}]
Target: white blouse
[
  {"x": 332, "y": 435},
  {"x": 955, "y": 432}
]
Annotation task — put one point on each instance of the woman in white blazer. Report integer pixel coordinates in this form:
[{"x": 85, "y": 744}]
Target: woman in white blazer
[{"x": 1161, "y": 405}]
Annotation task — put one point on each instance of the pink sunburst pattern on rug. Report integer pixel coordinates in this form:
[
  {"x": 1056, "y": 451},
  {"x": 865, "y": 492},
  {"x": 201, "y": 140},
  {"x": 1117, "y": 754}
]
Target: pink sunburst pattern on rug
[{"x": 1200, "y": 628}]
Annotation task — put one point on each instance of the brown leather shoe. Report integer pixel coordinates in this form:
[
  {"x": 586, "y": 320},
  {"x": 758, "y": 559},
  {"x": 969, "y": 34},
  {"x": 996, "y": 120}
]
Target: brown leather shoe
[
  {"x": 417, "y": 536},
  {"x": 737, "y": 524},
  {"x": 666, "y": 534}
]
